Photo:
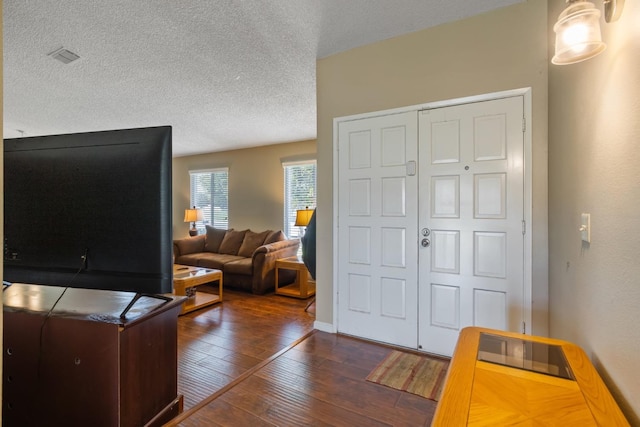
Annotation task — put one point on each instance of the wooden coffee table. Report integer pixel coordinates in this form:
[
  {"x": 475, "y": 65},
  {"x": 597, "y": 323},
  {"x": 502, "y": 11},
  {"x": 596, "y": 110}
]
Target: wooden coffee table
[{"x": 185, "y": 280}]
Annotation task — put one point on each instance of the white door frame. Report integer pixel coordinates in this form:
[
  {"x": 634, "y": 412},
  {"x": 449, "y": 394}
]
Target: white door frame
[{"x": 528, "y": 189}]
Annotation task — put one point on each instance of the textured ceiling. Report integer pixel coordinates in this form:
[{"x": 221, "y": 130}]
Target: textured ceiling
[{"x": 225, "y": 74}]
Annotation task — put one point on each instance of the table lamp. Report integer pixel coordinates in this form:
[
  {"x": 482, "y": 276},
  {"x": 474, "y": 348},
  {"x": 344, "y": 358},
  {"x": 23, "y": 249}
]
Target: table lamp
[
  {"x": 303, "y": 216},
  {"x": 193, "y": 215}
]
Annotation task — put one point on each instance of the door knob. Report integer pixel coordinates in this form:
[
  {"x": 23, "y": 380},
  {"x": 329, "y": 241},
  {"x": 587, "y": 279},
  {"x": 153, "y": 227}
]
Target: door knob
[{"x": 425, "y": 243}]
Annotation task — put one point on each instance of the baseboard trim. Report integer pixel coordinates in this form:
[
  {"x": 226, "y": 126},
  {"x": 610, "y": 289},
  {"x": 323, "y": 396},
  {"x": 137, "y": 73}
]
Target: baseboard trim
[{"x": 325, "y": 327}]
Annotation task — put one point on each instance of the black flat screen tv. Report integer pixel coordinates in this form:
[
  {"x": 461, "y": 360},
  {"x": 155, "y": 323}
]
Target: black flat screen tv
[{"x": 90, "y": 210}]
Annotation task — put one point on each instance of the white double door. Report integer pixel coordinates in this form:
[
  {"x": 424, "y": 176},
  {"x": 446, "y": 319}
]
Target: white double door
[{"x": 430, "y": 223}]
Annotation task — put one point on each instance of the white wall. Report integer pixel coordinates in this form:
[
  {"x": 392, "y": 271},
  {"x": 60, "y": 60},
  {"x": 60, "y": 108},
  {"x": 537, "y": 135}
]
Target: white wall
[{"x": 594, "y": 167}]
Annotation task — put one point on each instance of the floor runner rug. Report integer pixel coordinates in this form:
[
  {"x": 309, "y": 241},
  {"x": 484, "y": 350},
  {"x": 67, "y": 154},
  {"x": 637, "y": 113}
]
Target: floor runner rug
[{"x": 416, "y": 374}]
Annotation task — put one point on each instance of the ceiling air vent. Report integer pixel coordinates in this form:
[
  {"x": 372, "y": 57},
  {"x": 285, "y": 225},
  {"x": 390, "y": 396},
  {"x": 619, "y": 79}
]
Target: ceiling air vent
[{"x": 63, "y": 55}]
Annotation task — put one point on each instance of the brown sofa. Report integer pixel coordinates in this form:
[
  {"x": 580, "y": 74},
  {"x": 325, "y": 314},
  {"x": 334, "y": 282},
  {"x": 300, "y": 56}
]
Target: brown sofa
[{"x": 247, "y": 258}]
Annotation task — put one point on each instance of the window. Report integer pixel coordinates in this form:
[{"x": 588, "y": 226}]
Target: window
[
  {"x": 210, "y": 192},
  {"x": 299, "y": 193}
]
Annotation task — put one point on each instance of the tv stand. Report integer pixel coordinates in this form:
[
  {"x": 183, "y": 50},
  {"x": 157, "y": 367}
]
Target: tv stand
[{"x": 78, "y": 363}]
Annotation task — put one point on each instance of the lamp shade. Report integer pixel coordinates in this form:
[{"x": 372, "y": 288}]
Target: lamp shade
[
  {"x": 577, "y": 33},
  {"x": 192, "y": 215},
  {"x": 303, "y": 216}
]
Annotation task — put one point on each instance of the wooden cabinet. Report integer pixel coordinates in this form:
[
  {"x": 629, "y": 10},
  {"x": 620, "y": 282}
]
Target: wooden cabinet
[{"x": 70, "y": 360}]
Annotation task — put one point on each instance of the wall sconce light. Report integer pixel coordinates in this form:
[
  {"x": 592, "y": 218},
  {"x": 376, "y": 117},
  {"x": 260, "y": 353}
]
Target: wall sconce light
[
  {"x": 577, "y": 31},
  {"x": 193, "y": 215}
]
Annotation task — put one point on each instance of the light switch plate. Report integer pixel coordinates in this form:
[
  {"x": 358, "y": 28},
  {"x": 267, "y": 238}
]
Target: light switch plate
[{"x": 585, "y": 227}]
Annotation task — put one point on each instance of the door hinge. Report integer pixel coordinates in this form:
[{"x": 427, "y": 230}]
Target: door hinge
[
  {"x": 524, "y": 124},
  {"x": 524, "y": 328},
  {"x": 524, "y": 227}
]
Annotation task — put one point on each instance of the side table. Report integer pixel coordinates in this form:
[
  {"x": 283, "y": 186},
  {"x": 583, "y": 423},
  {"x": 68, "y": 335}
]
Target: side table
[
  {"x": 185, "y": 280},
  {"x": 303, "y": 287},
  {"x": 498, "y": 378}
]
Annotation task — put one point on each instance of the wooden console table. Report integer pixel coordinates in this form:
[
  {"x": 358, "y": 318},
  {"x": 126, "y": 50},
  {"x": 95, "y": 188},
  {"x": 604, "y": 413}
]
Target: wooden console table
[
  {"x": 69, "y": 359},
  {"x": 303, "y": 287},
  {"x": 185, "y": 280},
  {"x": 503, "y": 378}
]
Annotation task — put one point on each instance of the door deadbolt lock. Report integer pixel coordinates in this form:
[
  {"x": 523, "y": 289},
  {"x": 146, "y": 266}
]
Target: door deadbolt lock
[
  {"x": 425, "y": 232},
  {"x": 426, "y": 243}
]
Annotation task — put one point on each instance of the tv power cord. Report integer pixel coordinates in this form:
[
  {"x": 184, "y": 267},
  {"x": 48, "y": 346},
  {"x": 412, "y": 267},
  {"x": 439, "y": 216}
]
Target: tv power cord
[{"x": 83, "y": 266}]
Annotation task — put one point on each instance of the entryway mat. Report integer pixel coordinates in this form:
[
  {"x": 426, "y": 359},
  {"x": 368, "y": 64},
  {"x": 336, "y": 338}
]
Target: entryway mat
[{"x": 416, "y": 374}]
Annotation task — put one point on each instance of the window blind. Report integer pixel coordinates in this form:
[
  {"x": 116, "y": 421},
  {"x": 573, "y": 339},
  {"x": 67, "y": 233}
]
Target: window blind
[
  {"x": 210, "y": 192},
  {"x": 299, "y": 193}
]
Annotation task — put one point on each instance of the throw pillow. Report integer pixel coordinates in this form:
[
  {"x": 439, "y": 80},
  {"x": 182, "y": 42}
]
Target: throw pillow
[
  {"x": 214, "y": 238},
  {"x": 231, "y": 243},
  {"x": 276, "y": 236},
  {"x": 251, "y": 242}
]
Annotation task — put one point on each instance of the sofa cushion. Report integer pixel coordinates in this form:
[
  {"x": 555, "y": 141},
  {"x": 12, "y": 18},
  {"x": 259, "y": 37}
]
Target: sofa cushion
[
  {"x": 218, "y": 261},
  {"x": 232, "y": 242},
  {"x": 214, "y": 238},
  {"x": 275, "y": 236},
  {"x": 251, "y": 242},
  {"x": 242, "y": 266},
  {"x": 189, "y": 245},
  {"x": 189, "y": 259}
]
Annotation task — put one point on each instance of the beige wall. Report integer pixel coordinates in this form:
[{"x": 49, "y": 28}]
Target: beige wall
[
  {"x": 594, "y": 167},
  {"x": 256, "y": 184},
  {"x": 501, "y": 50}
]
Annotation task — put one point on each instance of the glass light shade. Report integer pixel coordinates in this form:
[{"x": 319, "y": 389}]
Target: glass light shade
[
  {"x": 303, "y": 216},
  {"x": 578, "y": 34}
]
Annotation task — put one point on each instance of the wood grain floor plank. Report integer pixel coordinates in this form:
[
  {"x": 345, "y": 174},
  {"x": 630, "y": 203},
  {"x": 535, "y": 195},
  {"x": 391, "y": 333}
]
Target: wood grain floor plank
[
  {"x": 355, "y": 395},
  {"x": 285, "y": 406},
  {"x": 223, "y": 341},
  {"x": 220, "y": 413},
  {"x": 229, "y": 376}
]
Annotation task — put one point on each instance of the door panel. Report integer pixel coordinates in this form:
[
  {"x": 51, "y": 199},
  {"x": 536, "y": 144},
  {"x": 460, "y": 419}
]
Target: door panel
[
  {"x": 445, "y": 251},
  {"x": 426, "y": 251},
  {"x": 378, "y": 215},
  {"x": 471, "y": 199}
]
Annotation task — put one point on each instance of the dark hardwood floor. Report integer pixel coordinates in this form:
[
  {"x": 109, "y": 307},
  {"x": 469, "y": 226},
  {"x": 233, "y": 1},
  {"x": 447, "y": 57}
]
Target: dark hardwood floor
[
  {"x": 219, "y": 343},
  {"x": 256, "y": 360}
]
